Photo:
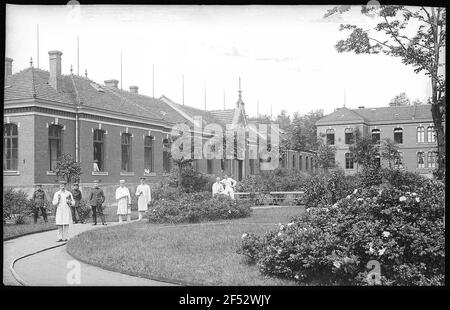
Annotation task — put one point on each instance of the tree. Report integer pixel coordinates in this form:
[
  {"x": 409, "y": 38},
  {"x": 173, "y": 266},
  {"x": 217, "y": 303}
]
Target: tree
[
  {"x": 417, "y": 102},
  {"x": 68, "y": 169},
  {"x": 389, "y": 151},
  {"x": 400, "y": 100},
  {"x": 326, "y": 156},
  {"x": 417, "y": 36},
  {"x": 304, "y": 131}
]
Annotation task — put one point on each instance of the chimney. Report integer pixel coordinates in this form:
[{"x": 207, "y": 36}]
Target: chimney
[
  {"x": 55, "y": 70},
  {"x": 134, "y": 89},
  {"x": 8, "y": 66},
  {"x": 112, "y": 83}
]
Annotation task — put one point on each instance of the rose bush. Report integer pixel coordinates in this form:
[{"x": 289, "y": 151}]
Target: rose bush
[
  {"x": 196, "y": 207},
  {"x": 401, "y": 227}
]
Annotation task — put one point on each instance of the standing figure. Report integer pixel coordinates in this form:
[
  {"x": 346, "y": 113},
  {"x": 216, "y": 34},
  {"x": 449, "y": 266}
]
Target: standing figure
[
  {"x": 39, "y": 201},
  {"x": 76, "y": 193},
  {"x": 144, "y": 195},
  {"x": 229, "y": 184},
  {"x": 217, "y": 187},
  {"x": 96, "y": 199},
  {"x": 63, "y": 199},
  {"x": 123, "y": 198}
]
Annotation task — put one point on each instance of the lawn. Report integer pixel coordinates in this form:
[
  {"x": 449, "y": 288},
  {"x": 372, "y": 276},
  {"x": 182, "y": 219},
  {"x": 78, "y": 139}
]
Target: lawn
[{"x": 197, "y": 254}]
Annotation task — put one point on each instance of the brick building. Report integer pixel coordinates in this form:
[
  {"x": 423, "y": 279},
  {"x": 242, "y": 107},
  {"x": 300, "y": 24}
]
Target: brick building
[
  {"x": 114, "y": 134},
  {"x": 411, "y": 127}
]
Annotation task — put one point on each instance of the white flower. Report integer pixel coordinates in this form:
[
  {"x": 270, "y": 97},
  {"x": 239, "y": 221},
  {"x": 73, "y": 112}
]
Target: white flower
[
  {"x": 414, "y": 194},
  {"x": 398, "y": 209},
  {"x": 381, "y": 252},
  {"x": 281, "y": 226},
  {"x": 355, "y": 191},
  {"x": 360, "y": 199},
  {"x": 335, "y": 205},
  {"x": 305, "y": 229},
  {"x": 348, "y": 196},
  {"x": 229, "y": 211},
  {"x": 403, "y": 198},
  {"x": 296, "y": 277},
  {"x": 307, "y": 210},
  {"x": 417, "y": 199},
  {"x": 408, "y": 193},
  {"x": 154, "y": 210},
  {"x": 280, "y": 234},
  {"x": 337, "y": 264},
  {"x": 290, "y": 224},
  {"x": 386, "y": 234},
  {"x": 243, "y": 236},
  {"x": 279, "y": 251},
  {"x": 326, "y": 209},
  {"x": 371, "y": 250}
]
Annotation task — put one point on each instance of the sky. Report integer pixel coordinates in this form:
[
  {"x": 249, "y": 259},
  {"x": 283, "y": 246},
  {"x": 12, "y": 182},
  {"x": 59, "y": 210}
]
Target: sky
[{"x": 284, "y": 55}]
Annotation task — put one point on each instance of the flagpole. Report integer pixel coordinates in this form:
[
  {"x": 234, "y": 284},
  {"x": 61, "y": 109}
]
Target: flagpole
[
  {"x": 37, "y": 46},
  {"x": 78, "y": 55}
]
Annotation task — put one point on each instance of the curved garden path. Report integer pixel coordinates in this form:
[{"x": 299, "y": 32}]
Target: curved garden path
[{"x": 38, "y": 260}]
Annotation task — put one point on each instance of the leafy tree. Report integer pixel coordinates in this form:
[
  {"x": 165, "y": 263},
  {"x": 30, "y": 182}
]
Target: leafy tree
[
  {"x": 400, "y": 100},
  {"x": 417, "y": 36},
  {"x": 326, "y": 156},
  {"x": 389, "y": 151},
  {"x": 417, "y": 102},
  {"x": 304, "y": 131},
  {"x": 68, "y": 169}
]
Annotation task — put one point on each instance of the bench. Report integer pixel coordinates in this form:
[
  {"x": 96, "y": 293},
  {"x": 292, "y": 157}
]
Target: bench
[{"x": 272, "y": 198}]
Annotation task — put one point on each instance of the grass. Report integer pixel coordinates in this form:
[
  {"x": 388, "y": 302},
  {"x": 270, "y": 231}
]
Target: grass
[{"x": 199, "y": 254}]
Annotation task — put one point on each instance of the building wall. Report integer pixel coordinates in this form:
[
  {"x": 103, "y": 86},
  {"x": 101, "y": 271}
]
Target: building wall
[{"x": 410, "y": 147}]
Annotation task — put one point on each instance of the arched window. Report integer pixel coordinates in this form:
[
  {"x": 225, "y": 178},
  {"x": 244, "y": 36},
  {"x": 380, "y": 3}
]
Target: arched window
[
  {"x": 420, "y": 134},
  {"x": 306, "y": 164},
  {"x": 398, "y": 135},
  {"x": 126, "y": 152},
  {"x": 431, "y": 159},
  {"x": 376, "y": 136},
  {"x": 99, "y": 149},
  {"x": 349, "y": 161},
  {"x": 420, "y": 160},
  {"x": 167, "y": 164},
  {"x": 330, "y": 136},
  {"x": 148, "y": 154},
  {"x": 10, "y": 147},
  {"x": 54, "y": 144},
  {"x": 431, "y": 134}
]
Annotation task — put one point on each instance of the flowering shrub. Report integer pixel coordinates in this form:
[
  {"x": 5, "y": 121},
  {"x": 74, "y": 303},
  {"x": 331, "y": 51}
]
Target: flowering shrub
[
  {"x": 196, "y": 207},
  {"x": 16, "y": 206},
  {"x": 402, "y": 228}
]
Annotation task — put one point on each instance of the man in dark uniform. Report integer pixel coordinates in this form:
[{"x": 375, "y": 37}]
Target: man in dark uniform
[
  {"x": 39, "y": 201},
  {"x": 76, "y": 193},
  {"x": 96, "y": 200}
]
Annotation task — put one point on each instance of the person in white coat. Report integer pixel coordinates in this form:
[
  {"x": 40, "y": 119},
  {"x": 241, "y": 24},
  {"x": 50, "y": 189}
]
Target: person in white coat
[
  {"x": 229, "y": 185},
  {"x": 217, "y": 187},
  {"x": 144, "y": 195},
  {"x": 63, "y": 199},
  {"x": 123, "y": 198}
]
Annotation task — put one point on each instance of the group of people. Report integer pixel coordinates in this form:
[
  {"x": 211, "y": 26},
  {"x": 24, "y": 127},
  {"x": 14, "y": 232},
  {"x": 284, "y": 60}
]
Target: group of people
[
  {"x": 67, "y": 202},
  {"x": 224, "y": 187}
]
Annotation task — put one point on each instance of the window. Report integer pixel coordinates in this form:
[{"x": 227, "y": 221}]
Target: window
[
  {"x": 398, "y": 135},
  {"x": 378, "y": 160},
  {"x": 167, "y": 164},
  {"x": 54, "y": 144},
  {"x": 420, "y": 135},
  {"x": 148, "y": 154},
  {"x": 420, "y": 160},
  {"x": 332, "y": 161},
  {"x": 348, "y": 135},
  {"x": 431, "y": 134},
  {"x": 349, "y": 161},
  {"x": 431, "y": 159},
  {"x": 330, "y": 136},
  {"x": 376, "y": 136},
  {"x": 293, "y": 161},
  {"x": 300, "y": 162},
  {"x": 99, "y": 148},
  {"x": 209, "y": 166},
  {"x": 251, "y": 163},
  {"x": 126, "y": 152},
  {"x": 398, "y": 161},
  {"x": 10, "y": 147},
  {"x": 306, "y": 164}
]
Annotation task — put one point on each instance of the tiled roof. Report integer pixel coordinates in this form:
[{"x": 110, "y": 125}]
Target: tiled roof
[
  {"x": 224, "y": 116},
  {"x": 383, "y": 114}
]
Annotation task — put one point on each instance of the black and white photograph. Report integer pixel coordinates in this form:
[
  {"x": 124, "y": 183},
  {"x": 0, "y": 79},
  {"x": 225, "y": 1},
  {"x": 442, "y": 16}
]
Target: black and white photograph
[{"x": 170, "y": 146}]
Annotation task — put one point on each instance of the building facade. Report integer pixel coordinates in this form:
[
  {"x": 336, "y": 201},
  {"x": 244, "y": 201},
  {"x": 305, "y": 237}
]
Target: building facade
[
  {"x": 113, "y": 133},
  {"x": 410, "y": 127}
]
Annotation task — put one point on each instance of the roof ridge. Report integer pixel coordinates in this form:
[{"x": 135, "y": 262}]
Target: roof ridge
[
  {"x": 77, "y": 95},
  {"x": 132, "y": 102}
]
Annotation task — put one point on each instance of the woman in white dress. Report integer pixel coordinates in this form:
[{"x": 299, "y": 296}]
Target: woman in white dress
[
  {"x": 217, "y": 188},
  {"x": 144, "y": 195},
  {"x": 63, "y": 199},
  {"x": 123, "y": 198},
  {"x": 229, "y": 185}
]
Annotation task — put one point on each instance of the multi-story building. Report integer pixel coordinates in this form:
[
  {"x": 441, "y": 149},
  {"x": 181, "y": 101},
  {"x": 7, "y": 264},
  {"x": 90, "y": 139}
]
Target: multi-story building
[
  {"x": 411, "y": 127},
  {"x": 114, "y": 134}
]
